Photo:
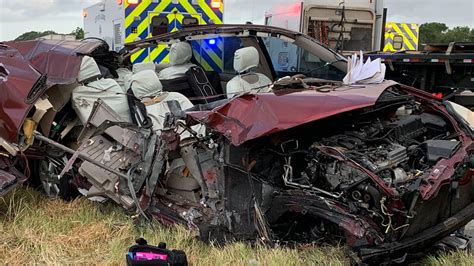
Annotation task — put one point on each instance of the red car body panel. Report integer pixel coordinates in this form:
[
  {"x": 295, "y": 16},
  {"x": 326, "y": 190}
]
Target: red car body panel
[
  {"x": 17, "y": 78},
  {"x": 25, "y": 60},
  {"x": 59, "y": 60},
  {"x": 252, "y": 116}
]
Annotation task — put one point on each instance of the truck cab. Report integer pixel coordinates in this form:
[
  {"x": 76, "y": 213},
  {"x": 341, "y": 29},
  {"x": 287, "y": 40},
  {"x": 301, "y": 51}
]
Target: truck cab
[{"x": 347, "y": 26}]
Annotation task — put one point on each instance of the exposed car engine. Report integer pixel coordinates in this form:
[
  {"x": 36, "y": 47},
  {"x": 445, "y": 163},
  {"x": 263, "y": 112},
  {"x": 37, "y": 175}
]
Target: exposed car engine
[
  {"x": 363, "y": 157},
  {"x": 396, "y": 151}
]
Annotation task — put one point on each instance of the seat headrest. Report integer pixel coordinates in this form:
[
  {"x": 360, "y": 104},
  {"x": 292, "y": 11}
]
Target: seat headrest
[
  {"x": 145, "y": 83},
  {"x": 180, "y": 53},
  {"x": 245, "y": 59},
  {"x": 89, "y": 69},
  {"x": 143, "y": 66}
]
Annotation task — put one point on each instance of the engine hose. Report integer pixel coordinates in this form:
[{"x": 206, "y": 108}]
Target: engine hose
[
  {"x": 383, "y": 138},
  {"x": 285, "y": 154}
]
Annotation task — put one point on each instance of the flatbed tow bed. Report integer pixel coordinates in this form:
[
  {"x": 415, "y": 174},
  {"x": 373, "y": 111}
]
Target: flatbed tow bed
[{"x": 446, "y": 70}]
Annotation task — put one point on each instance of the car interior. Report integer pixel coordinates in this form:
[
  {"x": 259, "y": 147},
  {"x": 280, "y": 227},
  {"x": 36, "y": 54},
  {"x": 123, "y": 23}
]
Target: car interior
[{"x": 203, "y": 84}]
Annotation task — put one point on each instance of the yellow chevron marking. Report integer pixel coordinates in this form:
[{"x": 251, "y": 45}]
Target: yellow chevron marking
[
  {"x": 136, "y": 11},
  {"x": 156, "y": 52},
  {"x": 388, "y": 48},
  {"x": 136, "y": 55},
  {"x": 211, "y": 54},
  {"x": 210, "y": 13},
  {"x": 189, "y": 8},
  {"x": 203, "y": 62},
  {"x": 172, "y": 16},
  {"x": 405, "y": 40},
  {"x": 410, "y": 32},
  {"x": 145, "y": 23}
]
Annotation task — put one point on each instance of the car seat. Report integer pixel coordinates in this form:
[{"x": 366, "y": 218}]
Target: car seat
[
  {"x": 147, "y": 88},
  {"x": 245, "y": 61},
  {"x": 179, "y": 58}
]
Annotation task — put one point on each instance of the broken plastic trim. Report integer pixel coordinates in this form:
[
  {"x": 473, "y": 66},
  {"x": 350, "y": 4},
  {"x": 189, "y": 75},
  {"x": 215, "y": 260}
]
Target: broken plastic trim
[{"x": 37, "y": 90}]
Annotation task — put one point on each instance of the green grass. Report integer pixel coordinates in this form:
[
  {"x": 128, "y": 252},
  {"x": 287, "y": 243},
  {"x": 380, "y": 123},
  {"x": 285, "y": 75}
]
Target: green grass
[{"x": 34, "y": 229}]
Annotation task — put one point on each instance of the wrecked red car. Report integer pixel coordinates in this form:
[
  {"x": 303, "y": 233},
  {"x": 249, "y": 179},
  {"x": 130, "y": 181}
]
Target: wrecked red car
[{"x": 273, "y": 146}]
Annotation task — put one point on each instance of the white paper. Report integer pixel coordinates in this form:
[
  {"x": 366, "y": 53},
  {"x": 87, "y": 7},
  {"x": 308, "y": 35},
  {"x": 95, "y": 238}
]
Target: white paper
[{"x": 370, "y": 72}]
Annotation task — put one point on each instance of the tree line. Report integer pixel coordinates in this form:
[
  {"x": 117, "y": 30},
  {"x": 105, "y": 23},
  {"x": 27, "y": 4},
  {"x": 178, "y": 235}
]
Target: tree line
[
  {"x": 435, "y": 32},
  {"x": 33, "y": 35}
]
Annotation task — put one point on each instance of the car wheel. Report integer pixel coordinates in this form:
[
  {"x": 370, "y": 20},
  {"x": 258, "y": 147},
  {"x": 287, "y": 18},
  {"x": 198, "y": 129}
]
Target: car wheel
[{"x": 49, "y": 170}]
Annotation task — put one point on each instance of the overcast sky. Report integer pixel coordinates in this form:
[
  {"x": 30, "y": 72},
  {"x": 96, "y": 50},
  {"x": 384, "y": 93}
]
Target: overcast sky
[{"x": 17, "y": 17}]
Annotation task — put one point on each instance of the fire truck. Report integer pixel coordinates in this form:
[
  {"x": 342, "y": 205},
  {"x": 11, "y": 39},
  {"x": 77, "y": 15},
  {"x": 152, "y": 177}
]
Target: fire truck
[{"x": 123, "y": 21}]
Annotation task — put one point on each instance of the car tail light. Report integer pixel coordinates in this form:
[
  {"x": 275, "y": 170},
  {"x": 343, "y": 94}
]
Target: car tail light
[{"x": 133, "y": 2}]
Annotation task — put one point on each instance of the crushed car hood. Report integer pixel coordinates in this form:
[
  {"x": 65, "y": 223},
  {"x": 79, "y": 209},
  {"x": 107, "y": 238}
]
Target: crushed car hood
[
  {"x": 252, "y": 116},
  {"x": 17, "y": 78}
]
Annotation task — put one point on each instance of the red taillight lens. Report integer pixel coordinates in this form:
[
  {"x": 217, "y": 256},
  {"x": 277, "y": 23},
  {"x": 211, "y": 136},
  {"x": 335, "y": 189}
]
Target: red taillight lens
[
  {"x": 216, "y": 4},
  {"x": 133, "y": 2},
  {"x": 438, "y": 95}
]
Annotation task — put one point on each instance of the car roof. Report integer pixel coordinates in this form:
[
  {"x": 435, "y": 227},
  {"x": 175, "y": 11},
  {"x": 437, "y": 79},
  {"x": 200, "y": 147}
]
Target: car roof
[
  {"x": 59, "y": 60},
  {"x": 214, "y": 29}
]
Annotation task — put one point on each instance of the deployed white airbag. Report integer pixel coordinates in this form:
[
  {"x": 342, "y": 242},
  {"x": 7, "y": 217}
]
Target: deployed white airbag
[
  {"x": 246, "y": 59},
  {"x": 246, "y": 83},
  {"x": 89, "y": 69},
  {"x": 159, "y": 107},
  {"x": 123, "y": 75},
  {"x": 180, "y": 55},
  {"x": 147, "y": 87},
  {"x": 84, "y": 96},
  {"x": 146, "y": 84},
  {"x": 143, "y": 66}
]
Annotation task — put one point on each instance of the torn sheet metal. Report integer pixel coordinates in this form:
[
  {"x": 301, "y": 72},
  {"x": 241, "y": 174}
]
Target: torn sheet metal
[
  {"x": 19, "y": 77},
  {"x": 252, "y": 116},
  {"x": 58, "y": 60}
]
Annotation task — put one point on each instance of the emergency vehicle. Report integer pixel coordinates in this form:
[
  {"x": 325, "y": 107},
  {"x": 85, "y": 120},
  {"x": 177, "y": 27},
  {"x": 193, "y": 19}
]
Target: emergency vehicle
[
  {"x": 123, "y": 21},
  {"x": 347, "y": 26},
  {"x": 401, "y": 37}
]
